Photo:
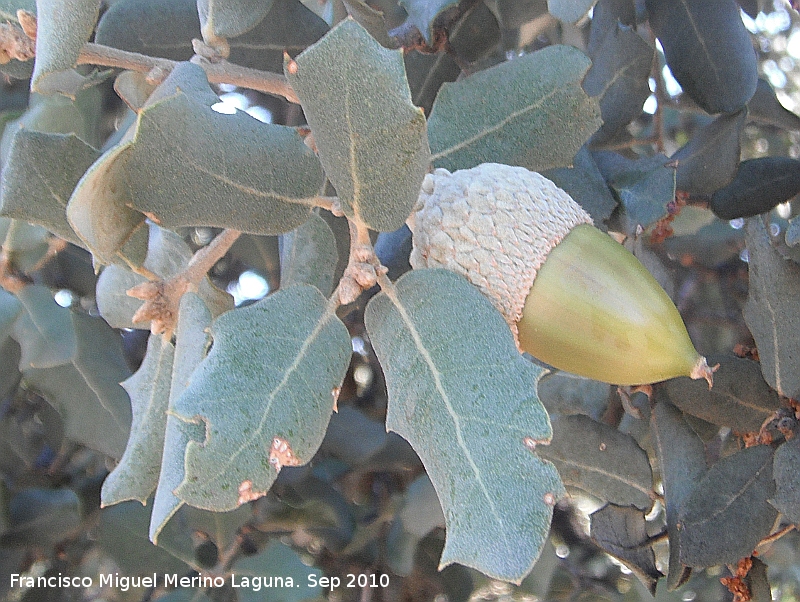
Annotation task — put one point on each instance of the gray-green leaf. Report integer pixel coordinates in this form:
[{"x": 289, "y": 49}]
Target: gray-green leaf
[
  {"x": 264, "y": 394},
  {"x": 63, "y": 27},
  {"x": 772, "y": 311},
  {"x": 786, "y": 468},
  {"x": 535, "y": 100},
  {"x": 600, "y": 460},
  {"x": 39, "y": 175},
  {"x": 230, "y": 18},
  {"x": 308, "y": 255},
  {"x": 727, "y": 513},
  {"x": 136, "y": 475},
  {"x": 371, "y": 138},
  {"x": 465, "y": 399}
]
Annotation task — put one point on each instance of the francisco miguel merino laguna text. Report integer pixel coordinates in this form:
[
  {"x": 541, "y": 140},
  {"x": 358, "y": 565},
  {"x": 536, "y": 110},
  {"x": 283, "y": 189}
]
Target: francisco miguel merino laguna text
[{"x": 124, "y": 582}]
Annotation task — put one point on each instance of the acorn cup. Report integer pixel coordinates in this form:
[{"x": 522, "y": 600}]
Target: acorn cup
[{"x": 573, "y": 297}]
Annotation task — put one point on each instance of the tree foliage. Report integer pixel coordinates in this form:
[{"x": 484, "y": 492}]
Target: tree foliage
[{"x": 363, "y": 418}]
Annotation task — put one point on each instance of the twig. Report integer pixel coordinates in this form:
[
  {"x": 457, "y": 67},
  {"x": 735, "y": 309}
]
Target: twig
[
  {"x": 16, "y": 43},
  {"x": 162, "y": 298}
]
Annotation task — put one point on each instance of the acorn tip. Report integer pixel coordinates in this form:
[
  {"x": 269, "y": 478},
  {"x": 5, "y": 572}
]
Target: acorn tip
[{"x": 701, "y": 369}]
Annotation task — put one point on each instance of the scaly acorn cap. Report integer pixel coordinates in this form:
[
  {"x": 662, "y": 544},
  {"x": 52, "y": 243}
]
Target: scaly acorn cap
[{"x": 497, "y": 224}]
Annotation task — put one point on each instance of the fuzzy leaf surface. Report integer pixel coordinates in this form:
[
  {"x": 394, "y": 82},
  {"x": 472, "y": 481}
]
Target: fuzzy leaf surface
[
  {"x": 191, "y": 166},
  {"x": 370, "y": 137},
  {"x": 708, "y": 50},
  {"x": 192, "y": 340},
  {"x": 536, "y": 99},
  {"x": 151, "y": 27},
  {"x": 727, "y": 513},
  {"x": 230, "y": 18},
  {"x": 759, "y": 185},
  {"x": 600, "y": 460},
  {"x": 739, "y": 399},
  {"x": 308, "y": 255},
  {"x": 39, "y": 175},
  {"x": 466, "y": 401},
  {"x": 136, "y": 475},
  {"x": 270, "y": 373},
  {"x": 709, "y": 160},
  {"x": 682, "y": 458},
  {"x": 99, "y": 211},
  {"x": 772, "y": 310},
  {"x": 86, "y": 390},
  {"x": 63, "y": 27},
  {"x": 622, "y": 532}
]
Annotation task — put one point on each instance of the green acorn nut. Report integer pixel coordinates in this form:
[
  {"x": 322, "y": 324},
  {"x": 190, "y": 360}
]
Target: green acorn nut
[{"x": 573, "y": 297}]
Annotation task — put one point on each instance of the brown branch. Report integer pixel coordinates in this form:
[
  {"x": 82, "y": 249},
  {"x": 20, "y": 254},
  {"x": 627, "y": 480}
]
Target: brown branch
[
  {"x": 19, "y": 44},
  {"x": 162, "y": 298}
]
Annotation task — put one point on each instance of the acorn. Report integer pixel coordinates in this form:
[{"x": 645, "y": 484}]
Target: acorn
[{"x": 573, "y": 297}]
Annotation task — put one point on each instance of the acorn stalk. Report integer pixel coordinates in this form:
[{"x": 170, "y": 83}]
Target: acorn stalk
[{"x": 573, "y": 297}]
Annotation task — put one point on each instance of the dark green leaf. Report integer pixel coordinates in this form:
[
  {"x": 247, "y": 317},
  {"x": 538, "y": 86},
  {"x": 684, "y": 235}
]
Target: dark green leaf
[
  {"x": 423, "y": 14},
  {"x": 353, "y": 437},
  {"x": 10, "y": 309},
  {"x": 136, "y": 475},
  {"x": 230, "y": 18},
  {"x": 122, "y": 534},
  {"x": 709, "y": 160},
  {"x": 192, "y": 342},
  {"x": 276, "y": 561},
  {"x": 289, "y": 27},
  {"x": 151, "y": 27},
  {"x": 45, "y": 331},
  {"x": 758, "y": 582},
  {"x": 308, "y": 255},
  {"x": 772, "y": 311},
  {"x": 514, "y": 13},
  {"x": 759, "y": 185},
  {"x": 565, "y": 393},
  {"x": 765, "y": 107},
  {"x": 192, "y": 166},
  {"x": 264, "y": 395},
  {"x": 622, "y": 532},
  {"x": 584, "y": 183},
  {"x": 600, "y": 460},
  {"x": 607, "y": 16},
  {"x": 682, "y": 459},
  {"x": 134, "y": 89},
  {"x": 418, "y": 516},
  {"x": 569, "y": 11},
  {"x": 393, "y": 250},
  {"x": 86, "y": 390},
  {"x": 466, "y": 402},
  {"x": 739, "y": 399},
  {"x": 62, "y": 28},
  {"x": 371, "y": 138},
  {"x": 372, "y": 20},
  {"x": 644, "y": 187},
  {"x": 727, "y": 513},
  {"x": 39, "y": 175},
  {"x": 619, "y": 77},
  {"x": 426, "y": 73},
  {"x": 41, "y": 517},
  {"x": 475, "y": 34},
  {"x": 708, "y": 50},
  {"x": 536, "y": 98},
  {"x": 786, "y": 469}
]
